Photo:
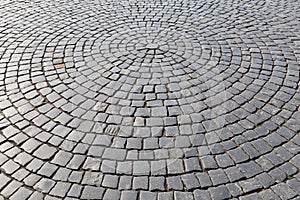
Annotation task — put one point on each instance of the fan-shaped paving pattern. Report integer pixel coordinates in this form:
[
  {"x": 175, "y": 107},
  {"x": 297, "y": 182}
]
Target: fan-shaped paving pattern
[{"x": 160, "y": 100}]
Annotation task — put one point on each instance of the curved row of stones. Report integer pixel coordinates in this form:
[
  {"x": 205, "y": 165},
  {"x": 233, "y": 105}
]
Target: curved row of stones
[{"x": 99, "y": 102}]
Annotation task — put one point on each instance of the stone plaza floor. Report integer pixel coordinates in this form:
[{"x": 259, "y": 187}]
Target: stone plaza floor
[{"x": 157, "y": 99}]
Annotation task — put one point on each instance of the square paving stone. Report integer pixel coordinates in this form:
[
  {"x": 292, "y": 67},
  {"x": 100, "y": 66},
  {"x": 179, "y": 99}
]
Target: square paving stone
[
  {"x": 47, "y": 169},
  {"x": 192, "y": 164},
  {"x": 140, "y": 183},
  {"x": 218, "y": 176},
  {"x": 294, "y": 184},
  {"x": 62, "y": 174},
  {"x": 224, "y": 160},
  {"x": 62, "y": 158},
  {"x": 124, "y": 167},
  {"x": 175, "y": 166},
  {"x": 45, "y": 152},
  {"x": 265, "y": 180},
  {"x": 111, "y": 194},
  {"x": 190, "y": 181},
  {"x": 31, "y": 179},
  {"x": 90, "y": 192},
  {"x": 76, "y": 162},
  {"x": 92, "y": 178},
  {"x": 251, "y": 196},
  {"x": 129, "y": 195},
  {"x": 234, "y": 189},
  {"x": 125, "y": 182},
  {"x": 182, "y": 141},
  {"x": 21, "y": 174},
  {"x": 250, "y": 169},
  {"x": 165, "y": 196},
  {"x": 220, "y": 192},
  {"x": 75, "y": 190},
  {"x": 75, "y": 176},
  {"x": 60, "y": 189},
  {"x": 44, "y": 185},
  {"x": 250, "y": 185},
  {"x": 208, "y": 162},
  {"x": 268, "y": 194},
  {"x": 157, "y": 184},
  {"x": 204, "y": 179},
  {"x": 174, "y": 183},
  {"x": 110, "y": 181},
  {"x": 150, "y": 143},
  {"x": 201, "y": 195},
  {"x": 183, "y": 195},
  {"x": 114, "y": 154},
  {"x": 238, "y": 155},
  {"x": 277, "y": 175},
  {"x": 141, "y": 168},
  {"x": 10, "y": 167},
  {"x": 284, "y": 191},
  {"x": 158, "y": 167}
]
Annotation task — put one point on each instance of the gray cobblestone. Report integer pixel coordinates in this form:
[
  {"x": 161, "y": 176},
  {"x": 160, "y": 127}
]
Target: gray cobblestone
[
  {"x": 234, "y": 189},
  {"x": 220, "y": 192},
  {"x": 128, "y": 195},
  {"x": 157, "y": 184},
  {"x": 149, "y": 100},
  {"x": 90, "y": 192},
  {"x": 60, "y": 189},
  {"x": 111, "y": 194},
  {"x": 174, "y": 183},
  {"x": 140, "y": 183},
  {"x": 190, "y": 181},
  {"x": 44, "y": 152},
  {"x": 141, "y": 168},
  {"x": 250, "y": 185},
  {"x": 268, "y": 194},
  {"x": 209, "y": 162},
  {"x": 283, "y": 191},
  {"x": 110, "y": 181}
]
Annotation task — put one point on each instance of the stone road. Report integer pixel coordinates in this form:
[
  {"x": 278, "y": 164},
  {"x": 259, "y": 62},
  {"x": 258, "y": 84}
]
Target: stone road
[{"x": 136, "y": 99}]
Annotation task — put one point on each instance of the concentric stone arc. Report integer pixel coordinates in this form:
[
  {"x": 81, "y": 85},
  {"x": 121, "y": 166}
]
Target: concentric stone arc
[{"x": 149, "y": 100}]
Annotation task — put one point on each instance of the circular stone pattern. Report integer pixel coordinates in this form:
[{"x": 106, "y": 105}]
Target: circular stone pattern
[{"x": 149, "y": 100}]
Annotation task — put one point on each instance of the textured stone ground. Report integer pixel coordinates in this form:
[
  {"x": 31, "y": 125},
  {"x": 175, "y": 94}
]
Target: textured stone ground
[{"x": 149, "y": 99}]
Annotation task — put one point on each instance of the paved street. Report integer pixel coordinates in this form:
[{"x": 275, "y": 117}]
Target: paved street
[{"x": 156, "y": 99}]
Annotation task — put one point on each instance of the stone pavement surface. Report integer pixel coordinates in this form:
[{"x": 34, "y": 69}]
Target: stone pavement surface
[{"x": 149, "y": 99}]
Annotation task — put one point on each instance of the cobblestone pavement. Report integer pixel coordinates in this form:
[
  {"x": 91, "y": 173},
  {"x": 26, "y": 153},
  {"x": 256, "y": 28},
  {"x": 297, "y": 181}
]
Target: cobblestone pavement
[{"x": 149, "y": 99}]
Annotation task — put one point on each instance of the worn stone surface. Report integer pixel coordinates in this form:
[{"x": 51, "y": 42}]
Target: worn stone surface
[{"x": 149, "y": 99}]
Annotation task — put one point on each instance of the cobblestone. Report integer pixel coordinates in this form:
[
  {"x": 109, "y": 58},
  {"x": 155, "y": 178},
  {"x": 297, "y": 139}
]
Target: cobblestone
[
  {"x": 220, "y": 192},
  {"x": 174, "y": 183},
  {"x": 149, "y": 100}
]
